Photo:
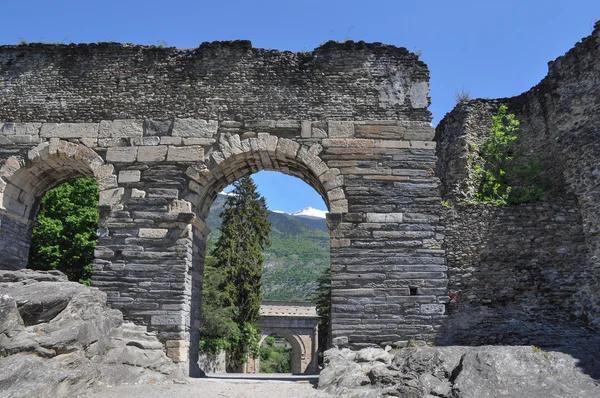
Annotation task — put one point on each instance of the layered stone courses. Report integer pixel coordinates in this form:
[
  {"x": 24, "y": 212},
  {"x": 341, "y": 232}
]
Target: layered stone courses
[
  {"x": 164, "y": 131},
  {"x": 161, "y": 165}
]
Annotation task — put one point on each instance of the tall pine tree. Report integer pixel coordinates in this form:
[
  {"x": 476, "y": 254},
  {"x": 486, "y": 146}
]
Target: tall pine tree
[{"x": 239, "y": 254}]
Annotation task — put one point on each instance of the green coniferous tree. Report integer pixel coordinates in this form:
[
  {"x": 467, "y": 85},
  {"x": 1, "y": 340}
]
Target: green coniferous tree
[{"x": 239, "y": 252}]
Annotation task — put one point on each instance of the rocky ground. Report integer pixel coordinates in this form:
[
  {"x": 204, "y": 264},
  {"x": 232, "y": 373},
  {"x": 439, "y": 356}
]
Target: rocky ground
[
  {"x": 455, "y": 372},
  {"x": 59, "y": 339}
]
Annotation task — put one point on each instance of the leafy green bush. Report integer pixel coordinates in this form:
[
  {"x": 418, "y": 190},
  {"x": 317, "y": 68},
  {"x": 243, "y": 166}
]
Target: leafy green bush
[
  {"x": 64, "y": 237},
  {"x": 275, "y": 359},
  {"x": 495, "y": 156},
  {"x": 499, "y": 178}
]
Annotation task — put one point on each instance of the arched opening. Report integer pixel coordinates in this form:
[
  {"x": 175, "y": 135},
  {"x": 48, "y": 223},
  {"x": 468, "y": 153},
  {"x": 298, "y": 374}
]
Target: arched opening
[
  {"x": 280, "y": 353},
  {"x": 65, "y": 230},
  {"x": 240, "y": 159},
  {"x": 24, "y": 182}
]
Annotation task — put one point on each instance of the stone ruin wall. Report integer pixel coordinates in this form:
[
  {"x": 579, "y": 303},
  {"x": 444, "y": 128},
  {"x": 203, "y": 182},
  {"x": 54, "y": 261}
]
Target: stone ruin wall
[
  {"x": 528, "y": 274},
  {"x": 164, "y": 130}
]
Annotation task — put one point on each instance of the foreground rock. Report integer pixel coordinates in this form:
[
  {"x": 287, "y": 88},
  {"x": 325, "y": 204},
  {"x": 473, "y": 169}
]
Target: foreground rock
[
  {"x": 454, "y": 372},
  {"x": 59, "y": 338}
]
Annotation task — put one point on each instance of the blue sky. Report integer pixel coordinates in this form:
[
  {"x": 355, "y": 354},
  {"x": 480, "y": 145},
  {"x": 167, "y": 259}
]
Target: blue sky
[{"x": 487, "y": 48}]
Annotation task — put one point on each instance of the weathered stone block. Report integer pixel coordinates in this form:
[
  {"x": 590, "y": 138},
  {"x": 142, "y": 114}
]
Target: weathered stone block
[
  {"x": 195, "y": 128},
  {"x": 9, "y": 128},
  {"x": 129, "y": 176},
  {"x": 122, "y": 154},
  {"x": 379, "y": 131},
  {"x": 306, "y": 129},
  {"x": 125, "y": 128},
  {"x": 69, "y": 130},
  {"x": 439, "y": 309},
  {"x": 152, "y": 153},
  {"x": 153, "y": 233},
  {"x": 384, "y": 217},
  {"x": 185, "y": 154},
  {"x": 111, "y": 196},
  {"x": 198, "y": 141},
  {"x": 145, "y": 140},
  {"x": 418, "y": 94},
  {"x": 340, "y": 129},
  {"x": 171, "y": 140}
]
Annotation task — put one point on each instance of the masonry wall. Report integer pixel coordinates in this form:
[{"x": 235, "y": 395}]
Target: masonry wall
[
  {"x": 515, "y": 272},
  {"x": 165, "y": 130},
  {"x": 541, "y": 260},
  {"x": 217, "y": 81}
]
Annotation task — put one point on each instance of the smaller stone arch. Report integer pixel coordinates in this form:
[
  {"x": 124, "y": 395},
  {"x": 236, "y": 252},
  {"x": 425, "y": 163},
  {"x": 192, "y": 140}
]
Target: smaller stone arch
[
  {"x": 297, "y": 322},
  {"x": 24, "y": 181}
]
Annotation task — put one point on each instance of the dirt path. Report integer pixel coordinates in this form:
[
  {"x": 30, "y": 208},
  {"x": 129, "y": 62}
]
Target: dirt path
[{"x": 216, "y": 387}]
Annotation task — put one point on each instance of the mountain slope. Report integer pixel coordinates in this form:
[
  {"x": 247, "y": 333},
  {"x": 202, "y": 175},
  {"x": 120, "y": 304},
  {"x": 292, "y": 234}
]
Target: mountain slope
[{"x": 298, "y": 254}]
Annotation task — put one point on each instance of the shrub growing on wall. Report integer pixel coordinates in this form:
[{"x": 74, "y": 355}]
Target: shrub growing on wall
[{"x": 495, "y": 158}]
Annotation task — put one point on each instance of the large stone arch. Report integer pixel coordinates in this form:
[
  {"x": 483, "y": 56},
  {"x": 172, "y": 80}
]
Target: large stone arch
[
  {"x": 233, "y": 158},
  {"x": 25, "y": 180},
  {"x": 351, "y": 119}
]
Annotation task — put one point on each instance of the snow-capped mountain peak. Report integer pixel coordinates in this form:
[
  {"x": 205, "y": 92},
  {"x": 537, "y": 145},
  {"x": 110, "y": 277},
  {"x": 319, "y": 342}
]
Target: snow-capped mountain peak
[{"x": 310, "y": 212}]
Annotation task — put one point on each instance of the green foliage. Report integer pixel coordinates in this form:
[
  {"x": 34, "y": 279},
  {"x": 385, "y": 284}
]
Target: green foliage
[
  {"x": 322, "y": 299},
  {"x": 447, "y": 204},
  {"x": 532, "y": 186},
  {"x": 217, "y": 327},
  {"x": 238, "y": 261},
  {"x": 275, "y": 359},
  {"x": 495, "y": 157},
  {"x": 64, "y": 236},
  {"x": 501, "y": 174},
  {"x": 298, "y": 254}
]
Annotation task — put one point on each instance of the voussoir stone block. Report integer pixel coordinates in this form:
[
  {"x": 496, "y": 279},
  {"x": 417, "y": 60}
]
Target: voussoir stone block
[{"x": 195, "y": 128}]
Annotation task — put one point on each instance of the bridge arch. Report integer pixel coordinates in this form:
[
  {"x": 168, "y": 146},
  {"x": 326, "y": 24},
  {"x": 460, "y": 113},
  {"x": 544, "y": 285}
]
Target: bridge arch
[
  {"x": 231, "y": 159},
  {"x": 25, "y": 180}
]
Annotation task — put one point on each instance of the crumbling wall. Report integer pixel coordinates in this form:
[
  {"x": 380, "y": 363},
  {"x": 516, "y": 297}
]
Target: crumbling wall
[{"x": 528, "y": 273}]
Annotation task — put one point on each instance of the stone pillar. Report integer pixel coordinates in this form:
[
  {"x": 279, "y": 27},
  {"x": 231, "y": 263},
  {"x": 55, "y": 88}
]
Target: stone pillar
[
  {"x": 143, "y": 258},
  {"x": 388, "y": 270},
  {"x": 314, "y": 359}
]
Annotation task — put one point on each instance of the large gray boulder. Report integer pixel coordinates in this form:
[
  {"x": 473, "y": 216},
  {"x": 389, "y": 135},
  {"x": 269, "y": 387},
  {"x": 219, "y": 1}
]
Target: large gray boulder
[
  {"x": 59, "y": 338},
  {"x": 455, "y": 372}
]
